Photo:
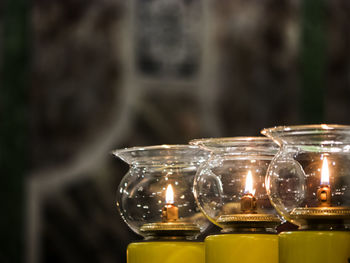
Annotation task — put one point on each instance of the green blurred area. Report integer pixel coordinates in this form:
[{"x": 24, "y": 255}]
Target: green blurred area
[
  {"x": 313, "y": 60},
  {"x": 15, "y": 84}
]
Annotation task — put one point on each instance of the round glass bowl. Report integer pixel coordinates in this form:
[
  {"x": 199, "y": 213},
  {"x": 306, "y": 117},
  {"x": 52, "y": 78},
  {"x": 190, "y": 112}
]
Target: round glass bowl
[
  {"x": 230, "y": 186},
  {"x": 155, "y": 197},
  {"x": 309, "y": 179}
]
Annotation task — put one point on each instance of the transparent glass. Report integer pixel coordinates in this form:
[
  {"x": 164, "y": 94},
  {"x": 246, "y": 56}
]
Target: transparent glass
[
  {"x": 236, "y": 168},
  {"x": 309, "y": 179},
  {"x": 141, "y": 195}
]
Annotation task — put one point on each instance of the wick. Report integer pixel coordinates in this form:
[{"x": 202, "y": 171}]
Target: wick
[{"x": 324, "y": 196}]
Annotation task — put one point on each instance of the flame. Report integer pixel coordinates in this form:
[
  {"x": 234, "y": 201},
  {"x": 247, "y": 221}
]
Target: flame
[
  {"x": 325, "y": 172},
  {"x": 249, "y": 184},
  {"x": 169, "y": 195}
]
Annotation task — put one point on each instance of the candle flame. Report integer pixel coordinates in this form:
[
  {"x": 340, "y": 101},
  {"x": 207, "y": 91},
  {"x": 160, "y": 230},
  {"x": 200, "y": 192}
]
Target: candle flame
[
  {"x": 325, "y": 172},
  {"x": 169, "y": 195},
  {"x": 249, "y": 184}
]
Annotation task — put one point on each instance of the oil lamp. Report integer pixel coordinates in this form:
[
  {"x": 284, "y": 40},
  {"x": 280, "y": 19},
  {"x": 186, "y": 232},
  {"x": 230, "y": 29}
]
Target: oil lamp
[
  {"x": 156, "y": 201},
  {"x": 308, "y": 182},
  {"x": 230, "y": 190}
]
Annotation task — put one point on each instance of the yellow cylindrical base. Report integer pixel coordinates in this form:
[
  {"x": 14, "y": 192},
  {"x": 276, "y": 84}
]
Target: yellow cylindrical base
[
  {"x": 315, "y": 246},
  {"x": 166, "y": 252},
  {"x": 241, "y": 248}
]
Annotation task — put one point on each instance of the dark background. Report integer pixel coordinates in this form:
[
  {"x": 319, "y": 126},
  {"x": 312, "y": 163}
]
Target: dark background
[{"x": 82, "y": 77}]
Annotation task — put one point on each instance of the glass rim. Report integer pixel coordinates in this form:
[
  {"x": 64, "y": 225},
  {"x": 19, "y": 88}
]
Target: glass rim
[
  {"x": 162, "y": 154},
  {"x": 155, "y": 147},
  {"x": 305, "y": 129},
  {"x": 233, "y": 141}
]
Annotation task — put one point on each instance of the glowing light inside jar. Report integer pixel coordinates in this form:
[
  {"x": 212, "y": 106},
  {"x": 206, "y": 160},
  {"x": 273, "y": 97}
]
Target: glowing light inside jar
[
  {"x": 248, "y": 200},
  {"x": 170, "y": 212},
  {"x": 249, "y": 184},
  {"x": 325, "y": 172},
  {"x": 169, "y": 195},
  {"x": 324, "y": 191}
]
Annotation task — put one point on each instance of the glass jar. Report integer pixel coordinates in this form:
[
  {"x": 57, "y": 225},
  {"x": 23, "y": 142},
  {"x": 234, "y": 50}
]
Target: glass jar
[
  {"x": 309, "y": 179},
  {"x": 155, "y": 197},
  {"x": 230, "y": 187}
]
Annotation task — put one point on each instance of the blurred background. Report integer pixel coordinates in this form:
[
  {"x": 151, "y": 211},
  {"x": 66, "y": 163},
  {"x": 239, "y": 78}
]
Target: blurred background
[{"x": 82, "y": 77}]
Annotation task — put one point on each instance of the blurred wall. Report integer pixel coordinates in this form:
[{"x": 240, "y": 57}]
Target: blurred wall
[{"x": 108, "y": 74}]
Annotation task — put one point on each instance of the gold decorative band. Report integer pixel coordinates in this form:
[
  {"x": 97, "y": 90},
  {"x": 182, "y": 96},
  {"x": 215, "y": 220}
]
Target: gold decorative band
[
  {"x": 321, "y": 212},
  {"x": 169, "y": 226},
  {"x": 248, "y": 218}
]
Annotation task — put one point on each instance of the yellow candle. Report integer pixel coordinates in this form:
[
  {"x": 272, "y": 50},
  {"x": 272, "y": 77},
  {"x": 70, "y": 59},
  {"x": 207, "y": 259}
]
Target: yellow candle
[
  {"x": 166, "y": 252},
  {"x": 315, "y": 246},
  {"x": 242, "y": 248}
]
